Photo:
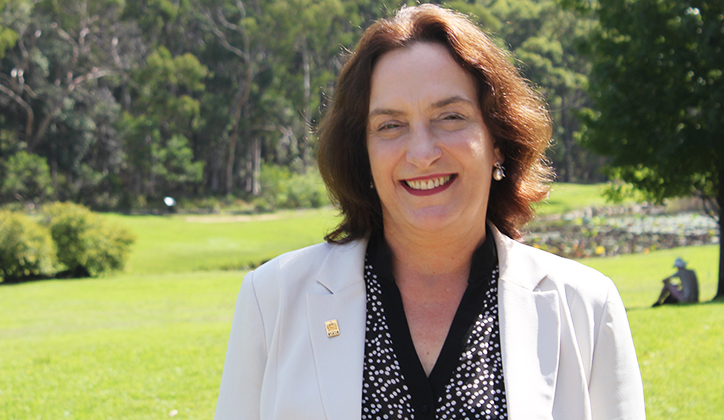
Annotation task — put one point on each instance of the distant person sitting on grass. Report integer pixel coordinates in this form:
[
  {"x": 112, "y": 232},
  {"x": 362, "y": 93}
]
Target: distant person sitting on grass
[{"x": 687, "y": 291}]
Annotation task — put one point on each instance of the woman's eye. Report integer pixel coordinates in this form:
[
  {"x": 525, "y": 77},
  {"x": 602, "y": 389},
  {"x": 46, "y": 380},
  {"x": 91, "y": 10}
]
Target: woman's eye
[
  {"x": 452, "y": 117},
  {"x": 388, "y": 126}
]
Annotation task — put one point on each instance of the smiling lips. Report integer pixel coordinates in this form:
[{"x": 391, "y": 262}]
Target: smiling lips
[{"x": 428, "y": 186}]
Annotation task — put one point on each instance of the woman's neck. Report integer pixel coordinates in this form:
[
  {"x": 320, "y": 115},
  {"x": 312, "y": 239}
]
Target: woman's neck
[{"x": 432, "y": 258}]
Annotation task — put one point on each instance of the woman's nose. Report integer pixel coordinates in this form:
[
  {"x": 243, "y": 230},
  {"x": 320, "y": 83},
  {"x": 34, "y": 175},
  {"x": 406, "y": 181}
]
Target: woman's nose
[{"x": 422, "y": 150}]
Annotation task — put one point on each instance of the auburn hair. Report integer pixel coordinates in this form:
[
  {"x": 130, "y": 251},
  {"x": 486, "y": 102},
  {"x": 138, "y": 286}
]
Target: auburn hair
[{"x": 514, "y": 114}]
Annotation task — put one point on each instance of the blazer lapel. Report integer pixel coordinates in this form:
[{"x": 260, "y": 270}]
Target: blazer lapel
[
  {"x": 339, "y": 359},
  {"x": 530, "y": 333}
]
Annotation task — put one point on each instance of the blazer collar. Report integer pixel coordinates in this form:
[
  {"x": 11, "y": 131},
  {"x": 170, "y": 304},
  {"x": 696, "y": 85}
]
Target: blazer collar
[
  {"x": 339, "y": 360},
  {"x": 516, "y": 264},
  {"x": 530, "y": 331},
  {"x": 343, "y": 265}
]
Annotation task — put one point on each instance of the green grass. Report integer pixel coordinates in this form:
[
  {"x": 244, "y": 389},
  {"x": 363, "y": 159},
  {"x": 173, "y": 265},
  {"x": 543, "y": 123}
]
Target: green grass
[
  {"x": 127, "y": 347},
  {"x": 680, "y": 348},
  {"x": 141, "y": 344},
  {"x": 638, "y": 276},
  {"x": 680, "y": 353},
  {"x": 566, "y": 197},
  {"x": 179, "y": 243}
]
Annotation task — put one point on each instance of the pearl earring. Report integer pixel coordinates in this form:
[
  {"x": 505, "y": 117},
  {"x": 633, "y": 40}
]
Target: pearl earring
[{"x": 499, "y": 172}]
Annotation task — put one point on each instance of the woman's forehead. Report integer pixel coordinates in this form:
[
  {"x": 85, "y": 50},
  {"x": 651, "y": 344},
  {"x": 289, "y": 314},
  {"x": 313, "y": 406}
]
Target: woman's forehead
[{"x": 423, "y": 73}]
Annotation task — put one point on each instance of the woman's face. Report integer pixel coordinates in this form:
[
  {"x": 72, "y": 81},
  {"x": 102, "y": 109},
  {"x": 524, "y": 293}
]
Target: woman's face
[{"x": 430, "y": 152}]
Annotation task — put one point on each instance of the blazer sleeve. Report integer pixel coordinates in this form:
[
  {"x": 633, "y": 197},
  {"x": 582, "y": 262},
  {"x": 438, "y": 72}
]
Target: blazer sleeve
[
  {"x": 615, "y": 385},
  {"x": 246, "y": 356}
]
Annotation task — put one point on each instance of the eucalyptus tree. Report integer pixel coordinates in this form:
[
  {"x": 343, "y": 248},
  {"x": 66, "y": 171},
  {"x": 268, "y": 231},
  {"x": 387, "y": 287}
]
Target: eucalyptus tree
[
  {"x": 56, "y": 84},
  {"x": 551, "y": 58}
]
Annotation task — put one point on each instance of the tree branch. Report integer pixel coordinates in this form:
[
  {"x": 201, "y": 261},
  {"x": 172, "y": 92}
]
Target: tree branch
[
  {"x": 26, "y": 106},
  {"x": 76, "y": 51},
  {"x": 95, "y": 73}
]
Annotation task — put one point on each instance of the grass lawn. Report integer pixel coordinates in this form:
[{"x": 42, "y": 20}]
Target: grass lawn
[
  {"x": 126, "y": 347},
  {"x": 680, "y": 348},
  {"x": 180, "y": 243},
  {"x": 566, "y": 197},
  {"x": 149, "y": 343}
]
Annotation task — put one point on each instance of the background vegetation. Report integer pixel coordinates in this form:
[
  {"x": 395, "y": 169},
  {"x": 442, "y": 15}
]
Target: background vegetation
[
  {"x": 116, "y": 105},
  {"x": 64, "y": 240}
]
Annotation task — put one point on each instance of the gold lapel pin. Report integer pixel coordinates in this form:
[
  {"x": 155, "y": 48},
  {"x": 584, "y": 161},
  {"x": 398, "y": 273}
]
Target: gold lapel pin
[{"x": 332, "y": 328}]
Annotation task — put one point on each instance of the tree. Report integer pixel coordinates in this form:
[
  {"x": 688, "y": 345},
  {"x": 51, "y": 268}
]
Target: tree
[
  {"x": 551, "y": 61},
  {"x": 658, "y": 90},
  {"x": 25, "y": 177},
  {"x": 56, "y": 97},
  {"x": 164, "y": 114}
]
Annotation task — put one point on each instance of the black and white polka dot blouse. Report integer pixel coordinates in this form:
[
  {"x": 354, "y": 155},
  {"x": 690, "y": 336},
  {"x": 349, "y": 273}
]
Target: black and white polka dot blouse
[{"x": 467, "y": 379}]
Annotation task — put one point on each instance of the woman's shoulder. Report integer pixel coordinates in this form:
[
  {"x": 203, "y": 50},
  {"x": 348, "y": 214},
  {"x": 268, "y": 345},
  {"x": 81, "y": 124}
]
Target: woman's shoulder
[
  {"x": 310, "y": 257},
  {"x": 306, "y": 266},
  {"x": 569, "y": 277}
]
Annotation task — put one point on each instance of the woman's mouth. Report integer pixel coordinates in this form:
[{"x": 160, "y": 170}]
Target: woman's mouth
[{"x": 428, "y": 186}]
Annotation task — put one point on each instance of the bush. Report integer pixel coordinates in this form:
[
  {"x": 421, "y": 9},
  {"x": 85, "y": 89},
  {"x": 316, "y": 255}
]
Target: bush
[
  {"x": 26, "y": 248},
  {"x": 86, "y": 245},
  {"x": 281, "y": 188}
]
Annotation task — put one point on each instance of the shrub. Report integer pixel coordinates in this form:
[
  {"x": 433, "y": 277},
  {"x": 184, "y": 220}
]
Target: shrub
[
  {"x": 26, "y": 248},
  {"x": 86, "y": 245}
]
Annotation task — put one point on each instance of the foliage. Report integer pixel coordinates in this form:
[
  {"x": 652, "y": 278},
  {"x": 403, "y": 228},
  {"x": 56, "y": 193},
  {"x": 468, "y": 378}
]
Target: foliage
[
  {"x": 128, "y": 102},
  {"x": 283, "y": 189},
  {"x": 550, "y": 59},
  {"x": 164, "y": 115},
  {"x": 658, "y": 89},
  {"x": 26, "y": 248},
  {"x": 86, "y": 244},
  {"x": 26, "y": 177}
]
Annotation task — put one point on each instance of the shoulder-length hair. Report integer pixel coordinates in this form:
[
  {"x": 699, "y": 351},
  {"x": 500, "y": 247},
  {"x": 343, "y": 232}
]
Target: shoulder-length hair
[{"x": 513, "y": 113}]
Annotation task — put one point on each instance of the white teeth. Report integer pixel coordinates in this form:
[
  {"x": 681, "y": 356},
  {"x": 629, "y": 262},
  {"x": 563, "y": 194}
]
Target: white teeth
[{"x": 429, "y": 184}]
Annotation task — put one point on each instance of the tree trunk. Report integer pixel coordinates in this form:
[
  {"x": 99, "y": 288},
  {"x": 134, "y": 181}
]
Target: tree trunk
[
  {"x": 242, "y": 96},
  {"x": 720, "y": 200},
  {"x": 305, "y": 149},
  {"x": 256, "y": 166}
]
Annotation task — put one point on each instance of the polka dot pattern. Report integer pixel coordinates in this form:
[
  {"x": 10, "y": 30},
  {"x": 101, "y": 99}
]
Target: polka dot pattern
[
  {"x": 475, "y": 389},
  {"x": 384, "y": 392}
]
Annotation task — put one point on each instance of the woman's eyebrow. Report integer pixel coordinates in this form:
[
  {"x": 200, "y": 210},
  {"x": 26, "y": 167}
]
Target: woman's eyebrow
[
  {"x": 451, "y": 100},
  {"x": 384, "y": 111},
  {"x": 439, "y": 104}
]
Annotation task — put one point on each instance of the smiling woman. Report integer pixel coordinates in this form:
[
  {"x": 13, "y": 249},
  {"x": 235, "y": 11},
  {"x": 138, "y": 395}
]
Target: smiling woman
[
  {"x": 421, "y": 304},
  {"x": 425, "y": 126}
]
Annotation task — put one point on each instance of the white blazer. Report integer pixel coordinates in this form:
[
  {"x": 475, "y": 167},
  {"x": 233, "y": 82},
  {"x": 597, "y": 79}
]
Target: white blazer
[{"x": 566, "y": 344}]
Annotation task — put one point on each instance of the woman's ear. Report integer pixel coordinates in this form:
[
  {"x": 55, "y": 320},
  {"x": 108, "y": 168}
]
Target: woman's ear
[{"x": 499, "y": 157}]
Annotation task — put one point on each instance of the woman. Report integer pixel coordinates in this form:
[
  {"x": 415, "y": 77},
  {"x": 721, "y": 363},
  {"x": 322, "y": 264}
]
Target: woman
[{"x": 416, "y": 307}]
